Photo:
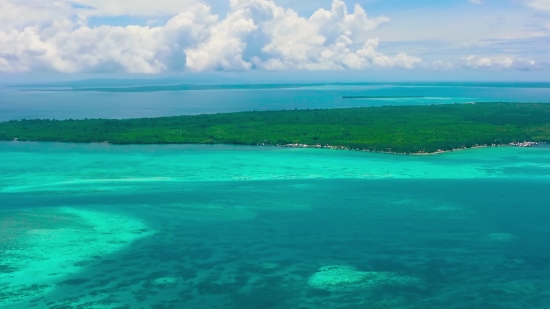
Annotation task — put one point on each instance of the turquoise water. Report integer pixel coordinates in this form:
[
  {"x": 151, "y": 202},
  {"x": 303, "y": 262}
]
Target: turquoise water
[
  {"x": 63, "y": 105},
  {"x": 103, "y": 226}
]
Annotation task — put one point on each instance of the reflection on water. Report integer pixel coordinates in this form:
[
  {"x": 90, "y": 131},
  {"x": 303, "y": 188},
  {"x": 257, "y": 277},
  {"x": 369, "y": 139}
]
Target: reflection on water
[{"x": 281, "y": 243}]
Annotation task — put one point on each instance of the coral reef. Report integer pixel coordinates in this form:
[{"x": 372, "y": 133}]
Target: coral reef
[{"x": 345, "y": 277}]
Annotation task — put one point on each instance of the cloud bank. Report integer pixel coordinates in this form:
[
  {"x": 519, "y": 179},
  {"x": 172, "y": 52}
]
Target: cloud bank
[
  {"x": 45, "y": 35},
  {"x": 254, "y": 34}
]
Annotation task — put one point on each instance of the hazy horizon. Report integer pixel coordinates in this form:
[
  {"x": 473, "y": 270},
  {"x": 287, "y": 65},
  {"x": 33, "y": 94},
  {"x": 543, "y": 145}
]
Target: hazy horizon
[{"x": 284, "y": 77}]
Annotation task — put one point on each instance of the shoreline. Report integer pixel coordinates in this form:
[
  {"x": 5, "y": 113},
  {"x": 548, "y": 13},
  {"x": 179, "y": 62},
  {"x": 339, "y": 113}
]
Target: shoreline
[
  {"x": 525, "y": 144},
  {"x": 299, "y": 146}
]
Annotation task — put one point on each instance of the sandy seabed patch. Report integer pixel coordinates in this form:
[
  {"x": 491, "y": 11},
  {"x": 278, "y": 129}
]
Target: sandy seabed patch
[
  {"x": 502, "y": 237},
  {"x": 338, "y": 277},
  {"x": 38, "y": 248}
]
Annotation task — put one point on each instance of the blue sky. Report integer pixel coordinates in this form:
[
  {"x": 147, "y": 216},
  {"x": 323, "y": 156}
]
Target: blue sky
[{"x": 487, "y": 39}]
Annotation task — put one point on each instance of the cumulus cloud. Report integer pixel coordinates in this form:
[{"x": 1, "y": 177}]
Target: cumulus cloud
[
  {"x": 341, "y": 55},
  {"x": 45, "y": 35},
  {"x": 62, "y": 42},
  {"x": 498, "y": 62},
  {"x": 335, "y": 39},
  {"x": 226, "y": 42},
  {"x": 254, "y": 34}
]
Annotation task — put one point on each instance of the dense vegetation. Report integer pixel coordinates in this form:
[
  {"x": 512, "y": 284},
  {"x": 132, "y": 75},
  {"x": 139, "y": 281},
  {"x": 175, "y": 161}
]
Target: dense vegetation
[{"x": 403, "y": 129}]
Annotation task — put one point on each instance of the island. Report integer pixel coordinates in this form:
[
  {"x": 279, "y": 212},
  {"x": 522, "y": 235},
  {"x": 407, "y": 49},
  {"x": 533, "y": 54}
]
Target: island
[
  {"x": 394, "y": 129},
  {"x": 383, "y": 97}
]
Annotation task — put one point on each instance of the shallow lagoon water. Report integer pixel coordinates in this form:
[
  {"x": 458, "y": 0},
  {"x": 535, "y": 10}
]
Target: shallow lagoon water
[{"x": 262, "y": 227}]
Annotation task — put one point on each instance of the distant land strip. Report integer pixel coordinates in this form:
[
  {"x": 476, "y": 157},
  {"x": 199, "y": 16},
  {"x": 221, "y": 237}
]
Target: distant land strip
[
  {"x": 395, "y": 129},
  {"x": 175, "y": 87},
  {"x": 383, "y": 97},
  {"x": 169, "y": 84}
]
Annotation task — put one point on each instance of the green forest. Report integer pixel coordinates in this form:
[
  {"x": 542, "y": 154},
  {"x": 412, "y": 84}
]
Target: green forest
[{"x": 399, "y": 129}]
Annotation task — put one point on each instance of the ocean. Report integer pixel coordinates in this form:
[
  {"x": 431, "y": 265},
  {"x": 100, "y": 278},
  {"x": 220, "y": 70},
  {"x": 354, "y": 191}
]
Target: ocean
[
  {"x": 16, "y": 104},
  {"x": 197, "y": 226}
]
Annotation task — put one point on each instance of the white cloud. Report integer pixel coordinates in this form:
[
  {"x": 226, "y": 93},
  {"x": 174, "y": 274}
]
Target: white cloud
[
  {"x": 49, "y": 35},
  {"x": 16, "y": 16},
  {"x": 328, "y": 40},
  {"x": 62, "y": 43},
  {"x": 225, "y": 45},
  {"x": 543, "y": 5},
  {"x": 442, "y": 65},
  {"x": 45, "y": 35},
  {"x": 498, "y": 62},
  {"x": 476, "y": 1},
  {"x": 340, "y": 55}
]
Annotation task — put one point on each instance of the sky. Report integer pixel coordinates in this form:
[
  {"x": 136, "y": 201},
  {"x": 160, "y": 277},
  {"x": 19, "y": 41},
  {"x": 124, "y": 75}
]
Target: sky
[{"x": 388, "y": 38}]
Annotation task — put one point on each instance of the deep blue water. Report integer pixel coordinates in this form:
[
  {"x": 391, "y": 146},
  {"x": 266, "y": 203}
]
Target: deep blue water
[
  {"x": 63, "y": 105},
  {"x": 221, "y": 264}
]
